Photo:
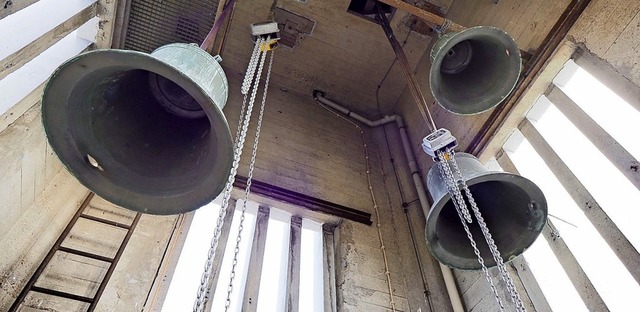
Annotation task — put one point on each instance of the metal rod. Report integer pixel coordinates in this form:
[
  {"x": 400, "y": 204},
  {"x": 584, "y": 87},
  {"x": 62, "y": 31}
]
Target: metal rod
[
  {"x": 105, "y": 221},
  {"x": 112, "y": 267},
  {"x": 61, "y": 294},
  {"x": 85, "y": 254},
  {"x": 412, "y": 82},
  {"x": 208, "y": 40},
  {"x": 427, "y": 16},
  {"x": 49, "y": 255}
]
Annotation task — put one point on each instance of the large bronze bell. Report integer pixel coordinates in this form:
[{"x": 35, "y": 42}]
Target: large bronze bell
[
  {"x": 513, "y": 207},
  {"x": 144, "y": 131},
  {"x": 474, "y": 70}
]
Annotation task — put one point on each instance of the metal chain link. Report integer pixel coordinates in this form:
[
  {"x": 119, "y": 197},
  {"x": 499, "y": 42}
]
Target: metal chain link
[
  {"x": 205, "y": 285},
  {"x": 249, "y": 74},
  {"x": 511, "y": 288},
  {"x": 461, "y": 206},
  {"x": 251, "y": 168}
]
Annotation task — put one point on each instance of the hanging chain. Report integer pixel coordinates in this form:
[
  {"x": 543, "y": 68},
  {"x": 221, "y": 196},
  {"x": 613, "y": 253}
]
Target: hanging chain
[
  {"x": 515, "y": 297},
  {"x": 205, "y": 285},
  {"x": 251, "y": 167},
  {"x": 463, "y": 213},
  {"x": 392, "y": 302},
  {"x": 445, "y": 159}
]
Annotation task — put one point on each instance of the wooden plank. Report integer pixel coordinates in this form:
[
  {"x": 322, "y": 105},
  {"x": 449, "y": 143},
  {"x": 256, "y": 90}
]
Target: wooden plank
[
  {"x": 532, "y": 288},
  {"x": 576, "y": 274},
  {"x": 424, "y": 14},
  {"x": 217, "y": 259},
  {"x": 616, "y": 153},
  {"x": 293, "y": 271},
  {"x": 541, "y": 23},
  {"x": 107, "y": 23},
  {"x": 614, "y": 237},
  {"x": 252, "y": 287},
  {"x": 329, "y": 268},
  {"x": 15, "y": 60}
]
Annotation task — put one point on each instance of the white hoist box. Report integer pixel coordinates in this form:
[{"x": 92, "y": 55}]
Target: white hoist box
[{"x": 440, "y": 139}]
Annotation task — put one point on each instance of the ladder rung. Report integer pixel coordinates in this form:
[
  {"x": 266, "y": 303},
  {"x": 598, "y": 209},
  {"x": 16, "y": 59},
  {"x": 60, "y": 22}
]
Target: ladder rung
[
  {"x": 85, "y": 254},
  {"x": 61, "y": 294},
  {"x": 105, "y": 221}
]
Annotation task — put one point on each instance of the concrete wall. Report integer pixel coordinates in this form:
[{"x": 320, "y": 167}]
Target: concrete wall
[
  {"x": 609, "y": 29},
  {"x": 309, "y": 150}
]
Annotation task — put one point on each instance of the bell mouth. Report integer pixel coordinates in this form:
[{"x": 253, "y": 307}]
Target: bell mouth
[
  {"x": 480, "y": 73},
  {"x": 115, "y": 136},
  {"x": 513, "y": 208}
]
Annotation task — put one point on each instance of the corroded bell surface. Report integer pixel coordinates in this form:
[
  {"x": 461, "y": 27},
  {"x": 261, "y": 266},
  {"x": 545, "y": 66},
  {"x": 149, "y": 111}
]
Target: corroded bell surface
[
  {"x": 474, "y": 70},
  {"x": 513, "y": 207},
  {"x": 144, "y": 131}
]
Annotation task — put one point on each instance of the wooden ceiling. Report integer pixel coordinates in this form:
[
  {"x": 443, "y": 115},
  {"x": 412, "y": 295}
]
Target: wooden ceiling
[{"x": 345, "y": 55}]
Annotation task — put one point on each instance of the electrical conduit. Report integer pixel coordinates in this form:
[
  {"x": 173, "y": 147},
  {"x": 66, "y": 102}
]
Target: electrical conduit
[{"x": 449, "y": 280}]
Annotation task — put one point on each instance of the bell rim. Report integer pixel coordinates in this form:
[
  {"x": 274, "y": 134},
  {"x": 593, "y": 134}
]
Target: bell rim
[
  {"x": 437, "y": 251},
  {"x": 141, "y": 202},
  {"x": 455, "y": 39}
]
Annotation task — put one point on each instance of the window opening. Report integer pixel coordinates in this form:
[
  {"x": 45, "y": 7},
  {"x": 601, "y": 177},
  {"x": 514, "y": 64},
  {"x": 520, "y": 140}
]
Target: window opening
[{"x": 272, "y": 295}]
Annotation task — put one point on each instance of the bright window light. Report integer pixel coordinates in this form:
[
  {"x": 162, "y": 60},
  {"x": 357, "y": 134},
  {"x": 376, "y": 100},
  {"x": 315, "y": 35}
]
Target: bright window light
[
  {"x": 610, "y": 188},
  {"x": 273, "y": 281},
  {"x": 239, "y": 281},
  {"x": 275, "y": 266},
  {"x": 311, "y": 266},
  {"x": 609, "y": 110},
  {"x": 186, "y": 277},
  {"x": 554, "y": 282}
]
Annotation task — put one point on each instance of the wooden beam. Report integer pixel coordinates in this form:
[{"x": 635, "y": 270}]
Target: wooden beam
[
  {"x": 303, "y": 200},
  {"x": 614, "y": 237},
  {"x": 252, "y": 288},
  {"x": 616, "y": 153},
  {"x": 293, "y": 271},
  {"x": 217, "y": 259},
  {"x": 530, "y": 284},
  {"x": 329, "y": 266},
  {"x": 17, "y": 59},
  {"x": 427, "y": 16}
]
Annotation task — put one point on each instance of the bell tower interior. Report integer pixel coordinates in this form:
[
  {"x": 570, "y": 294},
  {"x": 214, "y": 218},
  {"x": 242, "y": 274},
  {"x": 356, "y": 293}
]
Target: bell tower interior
[{"x": 340, "y": 214}]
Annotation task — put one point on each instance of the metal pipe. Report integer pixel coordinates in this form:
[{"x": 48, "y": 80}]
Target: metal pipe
[{"x": 449, "y": 281}]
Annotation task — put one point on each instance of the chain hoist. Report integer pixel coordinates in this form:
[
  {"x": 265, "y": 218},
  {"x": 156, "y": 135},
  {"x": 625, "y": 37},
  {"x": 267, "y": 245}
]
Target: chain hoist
[
  {"x": 440, "y": 145},
  {"x": 264, "y": 44}
]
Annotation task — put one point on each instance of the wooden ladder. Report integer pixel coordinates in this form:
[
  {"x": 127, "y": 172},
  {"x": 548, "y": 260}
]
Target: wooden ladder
[{"x": 58, "y": 248}]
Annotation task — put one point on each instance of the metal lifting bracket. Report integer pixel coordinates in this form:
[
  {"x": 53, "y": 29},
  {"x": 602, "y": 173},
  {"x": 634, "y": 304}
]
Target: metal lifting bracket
[
  {"x": 439, "y": 140},
  {"x": 267, "y": 30}
]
